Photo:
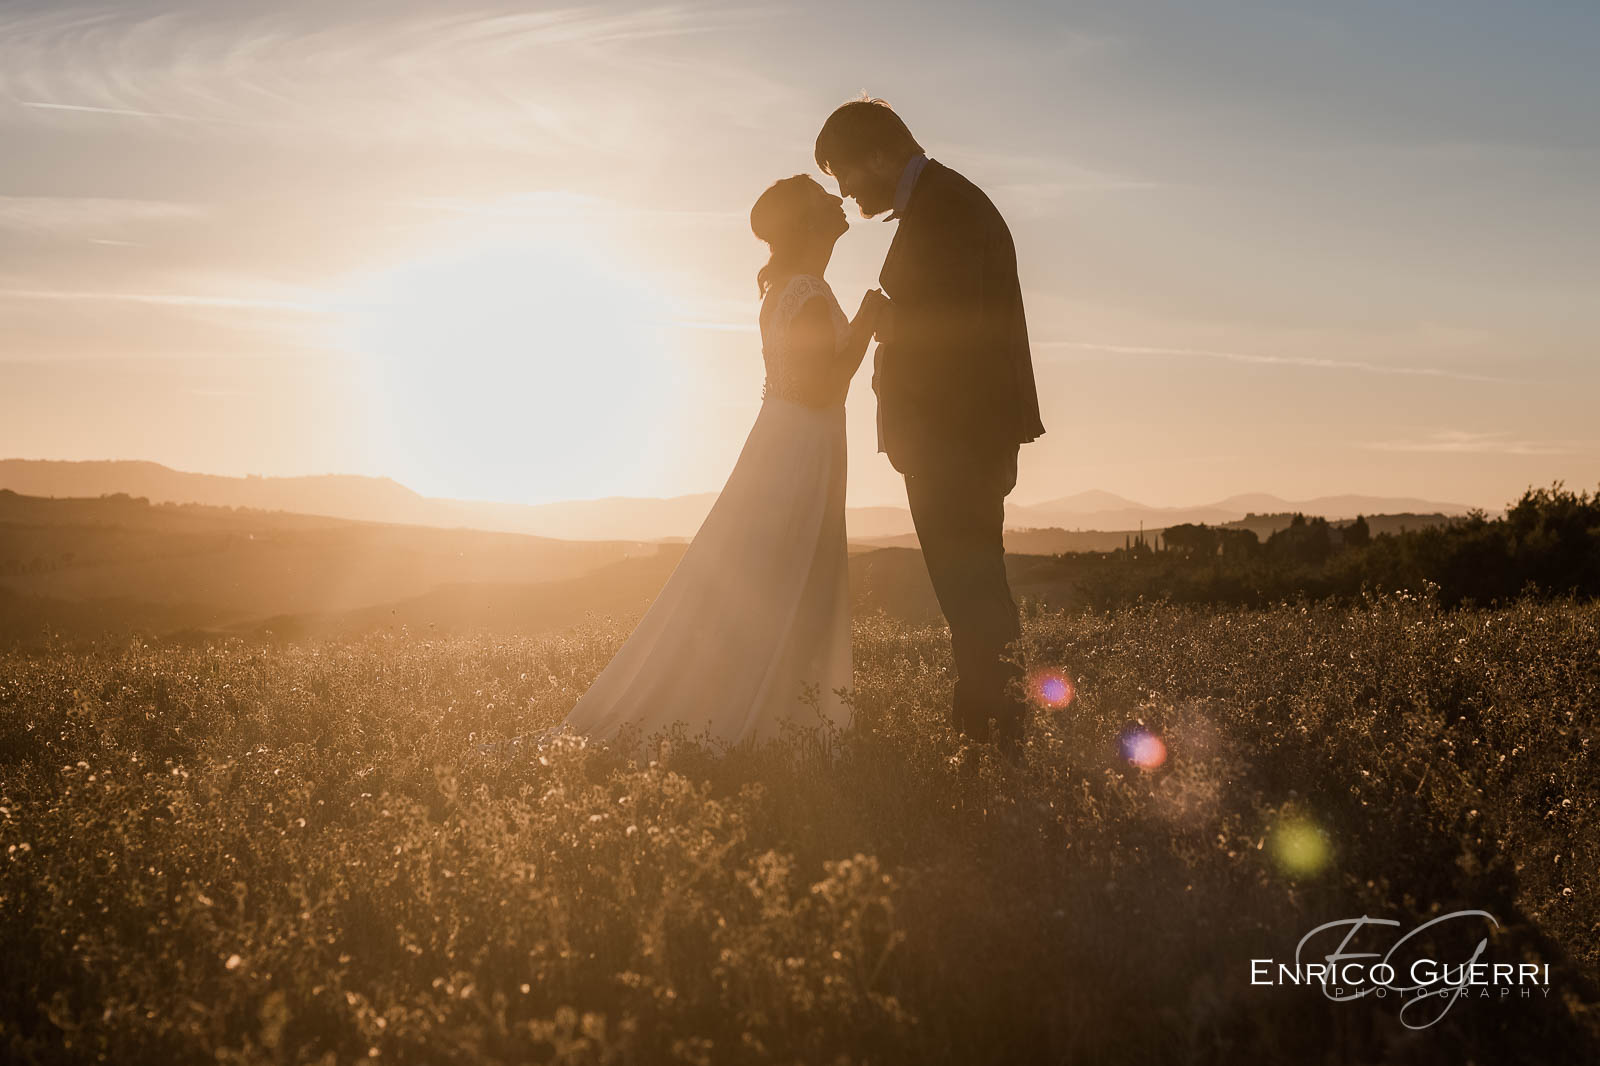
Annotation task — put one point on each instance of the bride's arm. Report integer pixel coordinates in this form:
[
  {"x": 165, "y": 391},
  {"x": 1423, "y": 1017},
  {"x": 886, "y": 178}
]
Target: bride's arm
[
  {"x": 854, "y": 347},
  {"x": 830, "y": 363}
]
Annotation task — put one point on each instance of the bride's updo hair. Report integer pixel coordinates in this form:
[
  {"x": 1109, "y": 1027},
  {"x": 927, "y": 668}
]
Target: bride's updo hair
[{"x": 780, "y": 217}]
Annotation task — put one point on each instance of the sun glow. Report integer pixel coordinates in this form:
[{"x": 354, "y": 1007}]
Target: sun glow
[{"x": 512, "y": 368}]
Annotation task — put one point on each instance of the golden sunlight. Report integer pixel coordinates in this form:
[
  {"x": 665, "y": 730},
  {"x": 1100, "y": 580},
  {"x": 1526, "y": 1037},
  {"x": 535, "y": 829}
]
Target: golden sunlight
[{"x": 511, "y": 361}]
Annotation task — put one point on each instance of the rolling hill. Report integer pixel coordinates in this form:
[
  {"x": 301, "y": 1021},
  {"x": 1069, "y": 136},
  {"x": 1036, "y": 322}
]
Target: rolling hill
[
  {"x": 374, "y": 499},
  {"x": 168, "y": 565},
  {"x": 116, "y": 565}
]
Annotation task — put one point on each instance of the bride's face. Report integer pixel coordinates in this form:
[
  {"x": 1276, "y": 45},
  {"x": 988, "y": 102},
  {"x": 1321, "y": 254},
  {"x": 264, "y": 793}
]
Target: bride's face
[{"x": 828, "y": 214}]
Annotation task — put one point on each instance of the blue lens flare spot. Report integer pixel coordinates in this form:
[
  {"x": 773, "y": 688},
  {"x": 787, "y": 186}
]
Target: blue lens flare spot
[
  {"x": 1143, "y": 749},
  {"x": 1051, "y": 689}
]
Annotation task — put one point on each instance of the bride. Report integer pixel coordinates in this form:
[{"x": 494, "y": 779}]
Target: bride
[{"x": 752, "y": 630}]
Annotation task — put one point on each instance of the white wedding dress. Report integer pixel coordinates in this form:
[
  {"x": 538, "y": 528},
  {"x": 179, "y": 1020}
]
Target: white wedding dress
[{"x": 752, "y": 629}]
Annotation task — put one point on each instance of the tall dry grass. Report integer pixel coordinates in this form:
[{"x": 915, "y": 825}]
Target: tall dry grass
[{"x": 315, "y": 854}]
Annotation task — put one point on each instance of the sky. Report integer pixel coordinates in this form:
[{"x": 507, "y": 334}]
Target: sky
[{"x": 502, "y": 251}]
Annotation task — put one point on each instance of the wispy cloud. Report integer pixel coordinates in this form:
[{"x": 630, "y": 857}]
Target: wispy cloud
[
  {"x": 1281, "y": 360},
  {"x": 125, "y": 111},
  {"x": 167, "y": 299},
  {"x": 57, "y": 214},
  {"x": 1036, "y": 198},
  {"x": 1035, "y": 180},
  {"x": 1041, "y": 190},
  {"x": 521, "y": 78},
  {"x": 561, "y": 204},
  {"x": 1462, "y": 441},
  {"x": 713, "y": 326}
]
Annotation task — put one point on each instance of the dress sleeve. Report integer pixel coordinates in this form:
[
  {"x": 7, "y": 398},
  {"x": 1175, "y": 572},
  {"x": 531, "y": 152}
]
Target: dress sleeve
[
  {"x": 808, "y": 342},
  {"x": 800, "y": 291}
]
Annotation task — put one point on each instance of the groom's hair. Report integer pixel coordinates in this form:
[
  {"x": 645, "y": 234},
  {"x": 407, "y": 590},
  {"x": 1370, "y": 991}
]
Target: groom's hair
[{"x": 859, "y": 128}]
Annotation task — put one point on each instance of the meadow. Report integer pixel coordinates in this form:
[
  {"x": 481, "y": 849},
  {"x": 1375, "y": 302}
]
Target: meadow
[{"x": 319, "y": 851}]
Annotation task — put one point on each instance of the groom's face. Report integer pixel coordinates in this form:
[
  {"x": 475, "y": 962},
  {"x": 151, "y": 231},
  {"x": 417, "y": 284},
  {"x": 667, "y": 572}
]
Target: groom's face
[{"x": 869, "y": 182}]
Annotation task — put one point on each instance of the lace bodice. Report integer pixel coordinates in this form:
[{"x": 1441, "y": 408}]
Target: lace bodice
[{"x": 786, "y": 375}]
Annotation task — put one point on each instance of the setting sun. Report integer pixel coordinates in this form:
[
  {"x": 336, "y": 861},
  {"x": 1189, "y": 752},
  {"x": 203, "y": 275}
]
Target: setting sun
[{"x": 504, "y": 355}]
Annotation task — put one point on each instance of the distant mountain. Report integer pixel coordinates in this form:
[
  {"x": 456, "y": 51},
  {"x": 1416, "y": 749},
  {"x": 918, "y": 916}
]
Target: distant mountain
[
  {"x": 335, "y": 495},
  {"x": 1255, "y": 503},
  {"x": 1347, "y": 506},
  {"x": 1116, "y": 518},
  {"x": 372, "y": 499},
  {"x": 378, "y": 499},
  {"x": 1087, "y": 503},
  {"x": 1103, "y": 511},
  {"x": 375, "y": 499}
]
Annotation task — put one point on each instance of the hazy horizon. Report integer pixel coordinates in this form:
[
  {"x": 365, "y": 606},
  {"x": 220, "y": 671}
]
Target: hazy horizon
[
  {"x": 502, "y": 254},
  {"x": 1029, "y": 495},
  {"x": 1036, "y": 499}
]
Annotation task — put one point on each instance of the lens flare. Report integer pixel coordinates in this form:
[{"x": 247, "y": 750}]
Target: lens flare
[
  {"x": 1051, "y": 689},
  {"x": 1143, "y": 748},
  {"x": 1300, "y": 847}
]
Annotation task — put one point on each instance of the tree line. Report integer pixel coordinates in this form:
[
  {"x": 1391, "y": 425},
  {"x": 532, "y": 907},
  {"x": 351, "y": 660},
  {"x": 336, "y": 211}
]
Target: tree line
[{"x": 1547, "y": 543}]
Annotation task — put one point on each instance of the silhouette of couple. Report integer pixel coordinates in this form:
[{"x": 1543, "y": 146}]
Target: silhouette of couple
[{"x": 753, "y": 627}]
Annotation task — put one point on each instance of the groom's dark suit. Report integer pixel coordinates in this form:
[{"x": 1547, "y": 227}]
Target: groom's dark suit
[{"x": 956, "y": 398}]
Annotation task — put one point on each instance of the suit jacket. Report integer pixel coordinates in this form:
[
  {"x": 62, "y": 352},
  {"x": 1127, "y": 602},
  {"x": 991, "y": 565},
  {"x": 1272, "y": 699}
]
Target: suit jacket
[{"x": 955, "y": 379}]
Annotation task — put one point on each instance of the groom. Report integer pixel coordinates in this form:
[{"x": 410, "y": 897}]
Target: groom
[{"x": 955, "y": 387}]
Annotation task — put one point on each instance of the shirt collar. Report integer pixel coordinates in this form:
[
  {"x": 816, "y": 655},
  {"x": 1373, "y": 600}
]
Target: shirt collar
[{"x": 908, "y": 183}]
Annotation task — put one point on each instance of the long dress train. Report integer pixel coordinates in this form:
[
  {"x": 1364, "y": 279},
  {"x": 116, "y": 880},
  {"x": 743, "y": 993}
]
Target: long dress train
[{"x": 752, "y": 629}]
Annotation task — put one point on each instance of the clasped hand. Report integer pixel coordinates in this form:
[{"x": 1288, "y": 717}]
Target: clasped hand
[{"x": 876, "y": 313}]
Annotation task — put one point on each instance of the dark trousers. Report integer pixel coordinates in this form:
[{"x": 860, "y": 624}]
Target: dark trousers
[{"x": 959, "y": 513}]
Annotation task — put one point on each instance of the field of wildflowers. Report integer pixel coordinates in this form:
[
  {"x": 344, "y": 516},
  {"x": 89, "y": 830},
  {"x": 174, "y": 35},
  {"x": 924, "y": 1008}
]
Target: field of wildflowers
[{"x": 320, "y": 852}]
